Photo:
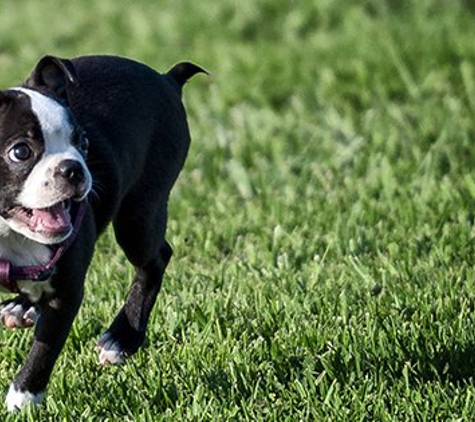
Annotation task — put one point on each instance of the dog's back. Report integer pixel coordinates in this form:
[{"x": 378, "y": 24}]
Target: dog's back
[{"x": 136, "y": 125}]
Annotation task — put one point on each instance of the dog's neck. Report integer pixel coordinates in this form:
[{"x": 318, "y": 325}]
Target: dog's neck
[{"x": 19, "y": 250}]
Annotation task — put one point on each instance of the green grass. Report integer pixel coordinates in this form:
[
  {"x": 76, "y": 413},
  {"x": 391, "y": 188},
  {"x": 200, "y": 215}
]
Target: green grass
[{"x": 323, "y": 226}]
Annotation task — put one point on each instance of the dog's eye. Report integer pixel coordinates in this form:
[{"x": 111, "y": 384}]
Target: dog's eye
[
  {"x": 84, "y": 146},
  {"x": 82, "y": 143},
  {"x": 20, "y": 152}
]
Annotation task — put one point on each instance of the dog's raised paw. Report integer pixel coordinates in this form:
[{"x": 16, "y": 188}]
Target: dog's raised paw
[
  {"x": 110, "y": 350},
  {"x": 18, "y": 313}
]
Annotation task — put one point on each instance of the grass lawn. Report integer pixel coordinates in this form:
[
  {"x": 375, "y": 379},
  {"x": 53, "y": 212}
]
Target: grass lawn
[{"x": 323, "y": 226}]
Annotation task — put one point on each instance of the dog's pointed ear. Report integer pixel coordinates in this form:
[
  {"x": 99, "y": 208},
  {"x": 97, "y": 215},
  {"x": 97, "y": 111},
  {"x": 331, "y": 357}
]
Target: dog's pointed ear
[{"x": 53, "y": 74}]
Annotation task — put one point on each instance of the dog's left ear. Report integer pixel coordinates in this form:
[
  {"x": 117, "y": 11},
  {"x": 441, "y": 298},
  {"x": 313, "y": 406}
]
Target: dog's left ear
[{"x": 53, "y": 74}]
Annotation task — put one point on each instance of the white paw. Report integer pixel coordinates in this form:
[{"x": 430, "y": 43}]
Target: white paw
[
  {"x": 110, "y": 357},
  {"x": 18, "y": 399},
  {"x": 16, "y": 315}
]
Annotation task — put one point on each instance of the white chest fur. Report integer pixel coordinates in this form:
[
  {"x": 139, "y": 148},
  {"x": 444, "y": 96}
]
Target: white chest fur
[{"x": 21, "y": 251}]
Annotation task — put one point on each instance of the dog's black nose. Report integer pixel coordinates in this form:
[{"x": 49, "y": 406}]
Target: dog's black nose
[{"x": 70, "y": 170}]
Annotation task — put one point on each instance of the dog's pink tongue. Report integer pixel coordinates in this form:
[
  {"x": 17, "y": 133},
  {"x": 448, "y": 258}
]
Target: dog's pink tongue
[{"x": 54, "y": 219}]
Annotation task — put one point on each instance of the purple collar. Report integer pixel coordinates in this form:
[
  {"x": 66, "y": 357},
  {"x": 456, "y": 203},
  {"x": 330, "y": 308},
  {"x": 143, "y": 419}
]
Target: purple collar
[{"x": 11, "y": 274}]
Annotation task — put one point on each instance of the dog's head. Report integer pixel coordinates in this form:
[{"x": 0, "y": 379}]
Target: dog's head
[{"x": 42, "y": 155}]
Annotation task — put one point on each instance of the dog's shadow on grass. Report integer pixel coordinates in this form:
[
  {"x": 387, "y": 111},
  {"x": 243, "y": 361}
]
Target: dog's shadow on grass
[{"x": 452, "y": 363}]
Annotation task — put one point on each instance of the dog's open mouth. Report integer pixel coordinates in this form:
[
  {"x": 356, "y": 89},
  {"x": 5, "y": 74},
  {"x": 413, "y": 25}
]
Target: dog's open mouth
[{"x": 54, "y": 221}]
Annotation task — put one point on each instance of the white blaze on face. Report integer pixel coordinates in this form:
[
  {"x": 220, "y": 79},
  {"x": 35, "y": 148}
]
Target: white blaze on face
[{"x": 57, "y": 130}]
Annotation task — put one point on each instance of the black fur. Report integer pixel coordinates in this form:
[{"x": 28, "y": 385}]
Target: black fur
[
  {"x": 181, "y": 72},
  {"x": 138, "y": 141},
  {"x": 17, "y": 123}
]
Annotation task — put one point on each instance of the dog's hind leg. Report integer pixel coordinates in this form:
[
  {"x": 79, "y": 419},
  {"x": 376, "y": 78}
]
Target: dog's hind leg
[{"x": 142, "y": 239}]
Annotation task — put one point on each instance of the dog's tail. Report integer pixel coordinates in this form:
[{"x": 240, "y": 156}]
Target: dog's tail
[{"x": 181, "y": 72}]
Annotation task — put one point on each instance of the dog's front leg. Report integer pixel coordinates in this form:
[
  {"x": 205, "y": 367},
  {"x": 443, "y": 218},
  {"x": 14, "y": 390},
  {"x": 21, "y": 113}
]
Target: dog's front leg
[
  {"x": 56, "y": 315},
  {"x": 54, "y": 323}
]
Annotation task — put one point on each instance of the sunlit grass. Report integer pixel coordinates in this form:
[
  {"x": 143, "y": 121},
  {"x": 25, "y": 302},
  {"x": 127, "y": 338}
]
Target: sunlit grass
[{"x": 323, "y": 226}]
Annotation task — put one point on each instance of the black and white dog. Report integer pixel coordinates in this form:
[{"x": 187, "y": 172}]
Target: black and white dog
[{"x": 85, "y": 142}]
